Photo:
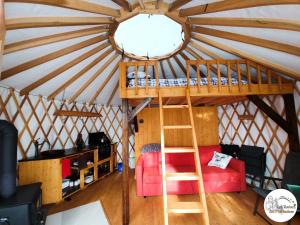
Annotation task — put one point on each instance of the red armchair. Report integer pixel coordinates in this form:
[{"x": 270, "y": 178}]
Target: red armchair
[{"x": 149, "y": 181}]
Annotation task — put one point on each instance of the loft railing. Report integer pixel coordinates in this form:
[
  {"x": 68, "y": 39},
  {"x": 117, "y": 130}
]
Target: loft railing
[{"x": 249, "y": 77}]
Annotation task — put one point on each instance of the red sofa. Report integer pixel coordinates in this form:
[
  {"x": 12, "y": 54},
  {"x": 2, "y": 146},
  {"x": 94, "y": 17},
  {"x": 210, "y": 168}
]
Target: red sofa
[{"x": 149, "y": 181}]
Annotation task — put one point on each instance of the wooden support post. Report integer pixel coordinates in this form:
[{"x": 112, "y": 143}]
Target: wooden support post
[
  {"x": 2, "y": 33},
  {"x": 139, "y": 108},
  {"x": 291, "y": 118},
  {"x": 125, "y": 157}
]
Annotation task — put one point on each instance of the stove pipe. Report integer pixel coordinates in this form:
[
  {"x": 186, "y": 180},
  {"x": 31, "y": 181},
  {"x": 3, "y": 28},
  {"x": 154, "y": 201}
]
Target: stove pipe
[{"x": 8, "y": 158}]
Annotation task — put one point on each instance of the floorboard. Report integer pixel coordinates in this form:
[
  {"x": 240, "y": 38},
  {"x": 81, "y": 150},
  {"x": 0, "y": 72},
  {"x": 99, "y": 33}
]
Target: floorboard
[{"x": 223, "y": 208}]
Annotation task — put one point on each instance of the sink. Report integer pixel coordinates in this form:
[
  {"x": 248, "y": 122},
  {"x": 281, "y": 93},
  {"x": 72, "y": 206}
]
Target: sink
[{"x": 53, "y": 153}]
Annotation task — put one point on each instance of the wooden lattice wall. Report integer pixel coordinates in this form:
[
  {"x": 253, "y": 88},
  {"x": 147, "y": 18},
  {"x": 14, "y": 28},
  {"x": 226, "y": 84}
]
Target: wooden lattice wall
[
  {"x": 33, "y": 117},
  {"x": 261, "y": 131}
]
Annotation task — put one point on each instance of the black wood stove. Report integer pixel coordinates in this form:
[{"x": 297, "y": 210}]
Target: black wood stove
[{"x": 20, "y": 205}]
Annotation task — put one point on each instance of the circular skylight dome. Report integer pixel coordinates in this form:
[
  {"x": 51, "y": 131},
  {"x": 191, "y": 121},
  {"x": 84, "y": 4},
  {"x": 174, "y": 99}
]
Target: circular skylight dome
[{"x": 149, "y": 35}]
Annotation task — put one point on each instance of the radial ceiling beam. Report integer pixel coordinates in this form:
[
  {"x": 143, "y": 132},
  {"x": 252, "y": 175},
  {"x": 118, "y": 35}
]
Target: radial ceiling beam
[
  {"x": 172, "y": 68},
  {"x": 214, "y": 56},
  {"x": 124, "y": 4},
  {"x": 204, "y": 50},
  {"x": 61, "y": 69},
  {"x": 142, "y": 5},
  {"x": 107, "y": 79},
  {"x": 38, "y": 61},
  {"x": 34, "y": 22},
  {"x": 80, "y": 5},
  {"x": 113, "y": 93},
  {"x": 282, "y": 24},
  {"x": 35, "y": 42},
  {"x": 79, "y": 74},
  {"x": 162, "y": 69},
  {"x": 245, "y": 55},
  {"x": 231, "y": 5},
  {"x": 185, "y": 57},
  {"x": 2, "y": 33},
  {"x": 197, "y": 56},
  {"x": 95, "y": 75},
  {"x": 180, "y": 64},
  {"x": 177, "y": 4},
  {"x": 293, "y": 50}
]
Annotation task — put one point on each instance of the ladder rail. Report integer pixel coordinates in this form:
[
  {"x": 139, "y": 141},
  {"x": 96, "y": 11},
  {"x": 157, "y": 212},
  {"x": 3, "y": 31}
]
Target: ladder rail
[
  {"x": 197, "y": 161},
  {"x": 163, "y": 159}
]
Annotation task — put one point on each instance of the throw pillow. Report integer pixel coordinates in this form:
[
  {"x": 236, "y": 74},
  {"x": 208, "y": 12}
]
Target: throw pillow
[{"x": 220, "y": 160}]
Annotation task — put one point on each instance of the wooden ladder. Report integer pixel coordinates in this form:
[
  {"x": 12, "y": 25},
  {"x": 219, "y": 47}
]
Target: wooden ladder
[{"x": 181, "y": 207}]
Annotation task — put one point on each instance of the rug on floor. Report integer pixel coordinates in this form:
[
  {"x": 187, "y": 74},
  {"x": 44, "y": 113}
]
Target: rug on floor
[{"x": 89, "y": 214}]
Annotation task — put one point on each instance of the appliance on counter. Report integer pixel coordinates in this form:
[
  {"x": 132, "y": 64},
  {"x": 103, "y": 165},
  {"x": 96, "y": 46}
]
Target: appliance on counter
[
  {"x": 22, "y": 204},
  {"x": 102, "y": 142}
]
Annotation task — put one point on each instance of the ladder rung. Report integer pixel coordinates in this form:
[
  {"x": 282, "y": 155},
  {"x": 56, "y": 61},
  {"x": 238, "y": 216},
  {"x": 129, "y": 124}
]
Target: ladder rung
[
  {"x": 185, "y": 207},
  {"x": 179, "y": 150},
  {"x": 182, "y": 176},
  {"x": 177, "y": 127},
  {"x": 175, "y": 106}
]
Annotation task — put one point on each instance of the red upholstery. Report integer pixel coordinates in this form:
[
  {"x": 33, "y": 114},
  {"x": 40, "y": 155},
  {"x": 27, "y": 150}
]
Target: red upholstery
[{"x": 149, "y": 181}]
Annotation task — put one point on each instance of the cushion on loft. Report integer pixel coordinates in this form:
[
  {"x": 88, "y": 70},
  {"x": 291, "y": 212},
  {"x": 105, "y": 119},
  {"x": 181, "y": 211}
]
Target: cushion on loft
[
  {"x": 220, "y": 160},
  {"x": 140, "y": 75}
]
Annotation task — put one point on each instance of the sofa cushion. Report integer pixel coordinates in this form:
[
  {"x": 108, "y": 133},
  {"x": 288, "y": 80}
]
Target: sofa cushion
[
  {"x": 152, "y": 175},
  {"x": 215, "y": 173},
  {"x": 179, "y": 169},
  {"x": 150, "y": 159},
  {"x": 206, "y": 153}
]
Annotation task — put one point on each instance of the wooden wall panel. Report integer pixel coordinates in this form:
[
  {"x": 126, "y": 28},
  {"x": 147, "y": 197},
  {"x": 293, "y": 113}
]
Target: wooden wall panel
[{"x": 206, "y": 125}]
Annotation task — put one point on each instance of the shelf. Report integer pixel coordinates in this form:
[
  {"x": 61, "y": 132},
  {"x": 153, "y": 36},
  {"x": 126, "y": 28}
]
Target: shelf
[
  {"x": 89, "y": 167},
  {"x": 70, "y": 191},
  {"x": 104, "y": 161},
  {"x": 76, "y": 113}
]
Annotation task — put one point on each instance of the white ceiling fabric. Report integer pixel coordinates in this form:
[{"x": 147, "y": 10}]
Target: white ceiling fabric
[{"x": 23, "y": 79}]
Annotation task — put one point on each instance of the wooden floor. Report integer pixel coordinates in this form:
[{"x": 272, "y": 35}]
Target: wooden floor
[{"x": 224, "y": 209}]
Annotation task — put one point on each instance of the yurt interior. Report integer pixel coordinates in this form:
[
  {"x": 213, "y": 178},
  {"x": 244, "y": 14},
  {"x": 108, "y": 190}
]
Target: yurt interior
[{"x": 149, "y": 112}]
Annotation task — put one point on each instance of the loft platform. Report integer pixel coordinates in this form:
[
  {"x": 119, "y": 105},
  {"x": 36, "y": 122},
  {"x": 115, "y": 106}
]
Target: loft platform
[{"x": 208, "y": 78}]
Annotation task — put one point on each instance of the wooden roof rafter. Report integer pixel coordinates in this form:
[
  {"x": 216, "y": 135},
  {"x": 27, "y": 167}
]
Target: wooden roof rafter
[
  {"x": 245, "y": 55},
  {"x": 80, "y": 5},
  {"x": 107, "y": 79},
  {"x": 177, "y": 4},
  {"x": 79, "y": 74},
  {"x": 293, "y": 50},
  {"x": 35, "y": 22},
  {"x": 172, "y": 69},
  {"x": 141, "y": 3},
  {"x": 63, "y": 68},
  {"x": 215, "y": 56},
  {"x": 230, "y": 5},
  {"x": 44, "y": 40},
  {"x": 271, "y": 23},
  {"x": 2, "y": 32},
  {"x": 53, "y": 55},
  {"x": 179, "y": 63},
  {"x": 197, "y": 56},
  {"x": 162, "y": 69},
  {"x": 113, "y": 93},
  {"x": 124, "y": 4},
  {"x": 95, "y": 75}
]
